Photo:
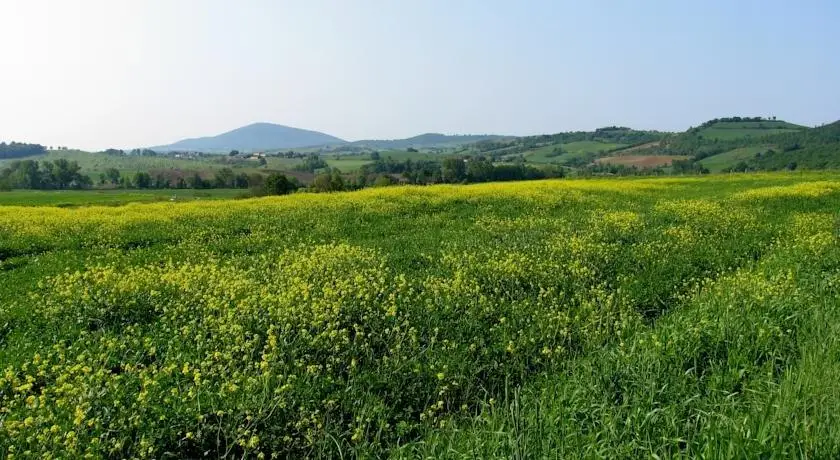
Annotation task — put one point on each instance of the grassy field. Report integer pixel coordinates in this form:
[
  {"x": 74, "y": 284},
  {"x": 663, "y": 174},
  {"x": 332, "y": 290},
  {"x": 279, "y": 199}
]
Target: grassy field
[
  {"x": 641, "y": 161},
  {"x": 93, "y": 164},
  {"x": 730, "y": 130},
  {"x": 64, "y": 198},
  {"x": 570, "y": 150},
  {"x": 729, "y": 159},
  {"x": 609, "y": 318}
]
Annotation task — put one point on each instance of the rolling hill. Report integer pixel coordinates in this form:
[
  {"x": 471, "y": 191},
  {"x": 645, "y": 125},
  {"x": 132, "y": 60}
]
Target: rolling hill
[
  {"x": 767, "y": 145},
  {"x": 729, "y": 128},
  {"x": 815, "y": 148},
  {"x": 254, "y": 137},
  {"x": 427, "y": 140}
]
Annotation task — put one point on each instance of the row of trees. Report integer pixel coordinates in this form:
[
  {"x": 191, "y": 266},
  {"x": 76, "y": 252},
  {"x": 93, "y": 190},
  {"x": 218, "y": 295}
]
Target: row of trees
[
  {"x": 736, "y": 120},
  {"x": 133, "y": 152},
  {"x": 609, "y": 134},
  {"x": 20, "y": 150},
  {"x": 457, "y": 170},
  {"x": 44, "y": 175},
  {"x": 223, "y": 178}
]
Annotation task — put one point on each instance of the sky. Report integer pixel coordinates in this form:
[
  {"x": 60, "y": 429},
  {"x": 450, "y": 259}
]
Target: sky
[{"x": 94, "y": 74}]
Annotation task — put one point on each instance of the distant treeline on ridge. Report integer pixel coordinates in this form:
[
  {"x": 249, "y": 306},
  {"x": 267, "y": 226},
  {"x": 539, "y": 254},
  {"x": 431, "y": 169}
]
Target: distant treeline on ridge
[{"x": 20, "y": 150}]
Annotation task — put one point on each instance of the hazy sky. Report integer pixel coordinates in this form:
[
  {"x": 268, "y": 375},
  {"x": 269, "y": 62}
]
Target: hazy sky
[{"x": 126, "y": 73}]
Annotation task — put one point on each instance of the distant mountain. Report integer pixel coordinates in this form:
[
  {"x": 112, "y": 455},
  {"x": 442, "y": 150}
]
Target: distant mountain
[
  {"x": 254, "y": 137},
  {"x": 427, "y": 140}
]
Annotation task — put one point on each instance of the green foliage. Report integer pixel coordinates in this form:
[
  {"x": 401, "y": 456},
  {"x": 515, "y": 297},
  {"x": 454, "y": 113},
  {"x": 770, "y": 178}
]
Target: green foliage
[
  {"x": 142, "y": 180},
  {"x": 312, "y": 163},
  {"x": 279, "y": 184},
  {"x": 20, "y": 150},
  {"x": 330, "y": 181},
  {"x": 383, "y": 181},
  {"x": 31, "y": 174},
  {"x": 453, "y": 170},
  {"x": 618, "y": 318}
]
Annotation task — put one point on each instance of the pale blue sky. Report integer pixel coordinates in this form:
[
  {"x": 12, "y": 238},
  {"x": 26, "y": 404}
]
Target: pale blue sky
[{"x": 100, "y": 73}]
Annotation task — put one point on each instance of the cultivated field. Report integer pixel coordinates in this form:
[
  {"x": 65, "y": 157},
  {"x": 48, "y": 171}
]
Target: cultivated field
[
  {"x": 622, "y": 318},
  {"x": 641, "y": 161}
]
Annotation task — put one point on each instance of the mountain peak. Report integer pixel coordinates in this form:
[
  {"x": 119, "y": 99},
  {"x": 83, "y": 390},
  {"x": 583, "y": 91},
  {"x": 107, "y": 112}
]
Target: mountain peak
[{"x": 255, "y": 136}]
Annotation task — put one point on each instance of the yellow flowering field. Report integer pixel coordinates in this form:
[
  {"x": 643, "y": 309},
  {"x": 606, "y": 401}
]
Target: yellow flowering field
[{"x": 600, "y": 318}]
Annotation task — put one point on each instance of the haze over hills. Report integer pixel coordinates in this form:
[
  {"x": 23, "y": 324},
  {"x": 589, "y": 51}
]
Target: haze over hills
[
  {"x": 719, "y": 145},
  {"x": 269, "y": 136},
  {"x": 257, "y": 136},
  {"x": 428, "y": 140}
]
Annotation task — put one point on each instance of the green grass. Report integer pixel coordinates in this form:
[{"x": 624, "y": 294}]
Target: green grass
[
  {"x": 721, "y": 161},
  {"x": 729, "y": 130},
  {"x": 570, "y": 150},
  {"x": 64, "y": 198},
  {"x": 95, "y": 163},
  {"x": 603, "y": 318},
  {"x": 349, "y": 164}
]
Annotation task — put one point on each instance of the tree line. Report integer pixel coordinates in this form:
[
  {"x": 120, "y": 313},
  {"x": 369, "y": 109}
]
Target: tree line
[
  {"x": 44, "y": 175},
  {"x": 20, "y": 150}
]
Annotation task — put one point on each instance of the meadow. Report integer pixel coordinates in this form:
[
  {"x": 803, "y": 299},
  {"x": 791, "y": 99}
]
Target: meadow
[
  {"x": 570, "y": 151},
  {"x": 94, "y": 163},
  {"x": 110, "y": 197},
  {"x": 617, "y": 318}
]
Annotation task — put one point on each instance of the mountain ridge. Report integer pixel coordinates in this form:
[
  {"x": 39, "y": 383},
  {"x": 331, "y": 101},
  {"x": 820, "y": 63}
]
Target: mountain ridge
[{"x": 254, "y": 137}]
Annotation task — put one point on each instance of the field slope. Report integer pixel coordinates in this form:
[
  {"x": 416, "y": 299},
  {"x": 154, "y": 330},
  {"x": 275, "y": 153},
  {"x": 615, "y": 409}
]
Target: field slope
[{"x": 621, "y": 318}]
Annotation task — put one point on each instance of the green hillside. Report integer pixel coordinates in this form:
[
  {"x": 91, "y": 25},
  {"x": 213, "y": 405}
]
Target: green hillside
[
  {"x": 94, "y": 163},
  {"x": 729, "y": 130},
  {"x": 567, "y": 149},
  {"x": 565, "y": 153},
  {"x": 815, "y": 148},
  {"x": 718, "y": 163}
]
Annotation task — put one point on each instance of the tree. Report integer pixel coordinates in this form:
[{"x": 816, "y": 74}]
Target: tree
[
  {"x": 336, "y": 181},
  {"x": 322, "y": 183},
  {"x": 278, "y": 184},
  {"x": 30, "y": 175},
  {"x": 263, "y": 162},
  {"x": 479, "y": 170},
  {"x": 383, "y": 181},
  {"x": 256, "y": 180},
  {"x": 741, "y": 166},
  {"x": 195, "y": 181},
  {"x": 224, "y": 178},
  {"x": 374, "y": 156},
  {"x": 233, "y": 153},
  {"x": 312, "y": 163},
  {"x": 360, "y": 181},
  {"x": 113, "y": 175},
  {"x": 453, "y": 170},
  {"x": 160, "y": 181},
  {"x": 142, "y": 180},
  {"x": 241, "y": 181}
]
